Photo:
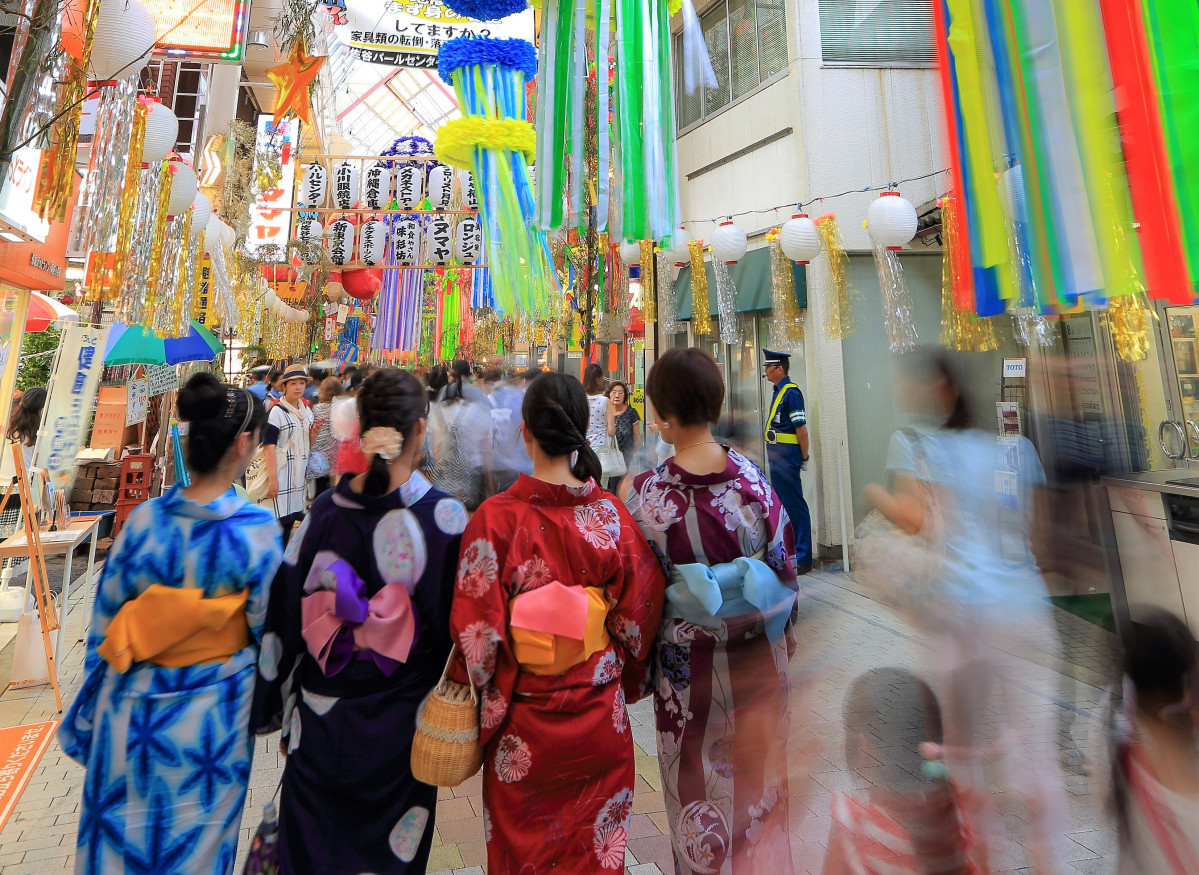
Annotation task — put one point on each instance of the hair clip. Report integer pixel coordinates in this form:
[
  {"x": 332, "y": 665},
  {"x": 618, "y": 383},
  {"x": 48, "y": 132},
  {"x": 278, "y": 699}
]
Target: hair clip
[{"x": 231, "y": 397}]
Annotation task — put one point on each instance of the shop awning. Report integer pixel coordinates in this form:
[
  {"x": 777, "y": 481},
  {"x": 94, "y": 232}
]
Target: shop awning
[{"x": 751, "y": 276}]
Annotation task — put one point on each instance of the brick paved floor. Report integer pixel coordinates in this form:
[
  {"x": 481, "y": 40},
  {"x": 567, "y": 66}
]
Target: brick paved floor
[{"x": 844, "y": 633}]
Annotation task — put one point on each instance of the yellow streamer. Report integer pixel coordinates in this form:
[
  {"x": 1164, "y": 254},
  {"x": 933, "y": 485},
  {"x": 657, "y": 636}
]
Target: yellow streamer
[
  {"x": 649, "y": 293},
  {"x": 108, "y": 277},
  {"x": 839, "y": 318},
  {"x": 786, "y": 318},
  {"x": 177, "y": 319},
  {"x": 701, "y": 307},
  {"x": 1128, "y": 320},
  {"x": 159, "y": 231}
]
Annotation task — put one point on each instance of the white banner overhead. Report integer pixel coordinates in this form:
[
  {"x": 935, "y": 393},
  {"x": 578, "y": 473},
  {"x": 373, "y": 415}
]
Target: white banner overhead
[{"x": 397, "y": 34}]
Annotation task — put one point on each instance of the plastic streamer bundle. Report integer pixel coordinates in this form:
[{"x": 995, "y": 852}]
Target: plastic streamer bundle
[
  {"x": 222, "y": 287},
  {"x": 191, "y": 254},
  {"x": 174, "y": 250},
  {"x": 726, "y": 302},
  {"x": 100, "y": 199},
  {"x": 701, "y": 307},
  {"x": 1128, "y": 320},
  {"x": 649, "y": 294},
  {"x": 108, "y": 275},
  {"x": 668, "y": 305},
  {"x": 839, "y": 319},
  {"x": 960, "y": 329},
  {"x": 496, "y": 142},
  {"x": 897, "y": 302},
  {"x": 787, "y": 318},
  {"x": 131, "y": 301}
]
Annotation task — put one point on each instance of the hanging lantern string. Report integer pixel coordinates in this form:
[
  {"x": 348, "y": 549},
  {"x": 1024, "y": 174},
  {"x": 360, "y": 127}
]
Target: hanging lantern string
[{"x": 828, "y": 197}]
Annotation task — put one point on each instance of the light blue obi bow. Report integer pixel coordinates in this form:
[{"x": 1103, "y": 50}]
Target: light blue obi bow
[{"x": 704, "y": 595}]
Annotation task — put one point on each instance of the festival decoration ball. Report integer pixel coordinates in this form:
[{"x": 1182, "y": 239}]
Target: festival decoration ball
[
  {"x": 183, "y": 189},
  {"x": 362, "y": 284},
  {"x": 162, "y": 130},
  {"x": 201, "y": 213},
  {"x": 729, "y": 243},
  {"x": 679, "y": 253},
  {"x": 800, "y": 239},
  {"x": 891, "y": 220},
  {"x": 630, "y": 253},
  {"x": 74, "y": 22},
  {"x": 1011, "y": 192},
  {"x": 123, "y": 40}
]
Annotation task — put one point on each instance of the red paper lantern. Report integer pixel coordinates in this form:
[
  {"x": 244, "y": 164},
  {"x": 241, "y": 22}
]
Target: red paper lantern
[
  {"x": 279, "y": 273},
  {"x": 362, "y": 284}
]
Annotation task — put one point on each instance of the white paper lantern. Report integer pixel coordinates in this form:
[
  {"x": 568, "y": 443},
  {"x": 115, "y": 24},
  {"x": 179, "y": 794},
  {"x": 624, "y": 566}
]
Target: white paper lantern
[
  {"x": 891, "y": 220},
  {"x": 183, "y": 188},
  {"x": 799, "y": 239},
  {"x": 309, "y": 231},
  {"x": 202, "y": 212},
  {"x": 213, "y": 232},
  {"x": 376, "y": 185},
  {"x": 345, "y": 185},
  {"x": 466, "y": 190},
  {"x": 162, "y": 130},
  {"x": 228, "y": 235},
  {"x": 1011, "y": 192},
  {"x": 123, "y": 40},
  {"x": 441, "y": 186},
  {"x": 372, "y": 242},
  {"x": 439, "y": 241},
  {"x": 729, "y": 243},
  {"x": 406, "y": 241},
  {"x": 468, "y": 240},
  {"x": 410, "y": 185},
  {"x": 679, "y": 253},
  {"x": 341, "y": 242},
  {"x": 270, "y": 300},
  {"x": 630, "y": 253},
  {"x": 313, "y": 187}
]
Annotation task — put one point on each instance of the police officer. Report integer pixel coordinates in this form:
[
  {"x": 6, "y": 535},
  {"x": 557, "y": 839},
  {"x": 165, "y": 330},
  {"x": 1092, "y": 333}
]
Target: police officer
[{"x": 787, "y": 450}]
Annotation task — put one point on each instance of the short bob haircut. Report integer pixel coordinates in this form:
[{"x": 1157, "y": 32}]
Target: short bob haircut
[{"x": 685, "y": 383}]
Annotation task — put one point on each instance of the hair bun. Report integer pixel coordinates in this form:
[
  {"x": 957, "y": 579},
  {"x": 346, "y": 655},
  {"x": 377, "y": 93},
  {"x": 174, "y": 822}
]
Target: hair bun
[{"x": 202, "y": 398}]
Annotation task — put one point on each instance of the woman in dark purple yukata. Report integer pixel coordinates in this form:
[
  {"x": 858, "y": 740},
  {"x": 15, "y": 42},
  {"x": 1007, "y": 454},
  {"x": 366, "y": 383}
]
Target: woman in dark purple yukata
[{"x": 357, "y": 633}]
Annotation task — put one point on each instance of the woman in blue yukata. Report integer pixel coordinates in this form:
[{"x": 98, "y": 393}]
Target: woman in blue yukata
[
  {"x": 357, "y": 635},
  {"x": 162, "y": 720}
]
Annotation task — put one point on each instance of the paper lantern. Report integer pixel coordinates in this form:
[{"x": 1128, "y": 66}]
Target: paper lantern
[
  {"x": 183, "y": 188},
  {"x": 372, "y": 242},
  {"x": 314, "y": 186},
  {"x": 406, "y": 237},
  {"x": 122, "y": 41},
  {"x": 679, "y": 253},
  {"x": 410, "y": 185},
  {"x": 1011, "y": 192},
  {"x": 213, "y": 232},
  {"x": 345, "y": 185},
  {"x": 162, "y": 130},
  {"x": 729, "y": 243},
  {"x": 279, "y": 273},
  {"x": 362, "y": 284},
  {"x": 441, "y": 186},
  {"x": 201, "y": 213},
  {"x": 466, "y": 190},
  {"x": 270, "y": 300},
  {"x": 341, "y": 242},
  {"x": 891, "y": 220},
  {"x": 799, "y": 239},
  {"x": 468, "y": 240},
  {"x": 309, "y": 231},
  {"x": 376, "y": 185},
  {"x": 438, "y": 241},
  {"x": 630, "y": 253},
  {"x": 228, "y": 235}
]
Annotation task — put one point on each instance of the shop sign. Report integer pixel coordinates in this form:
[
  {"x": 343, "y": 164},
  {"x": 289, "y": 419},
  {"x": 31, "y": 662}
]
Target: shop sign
[
  {"x": 341, "y": 242},
  {"x": 202, "y": 309},
  {"x": 1015, "y": 369},
  {"x": 345, "y": 185},
  {"x": 410, "y": 185},
  {"x": 137, "y": 402},
  {"x": 376, "y": 185},
  {"x": 212, "y": 31},
  {"x": 270, "y": 221},
  {"x": 468, "y": 240},
  {"x": 108, "y": 430},
  {"x": 161, "y": 379},
  {"x": 407, "y": 241},
  {"x": 68, "y": 401},
  {"x": 398, "y": 34},
  {"x": 441, "y": 186},
  {"x": 438, "y": 241}
]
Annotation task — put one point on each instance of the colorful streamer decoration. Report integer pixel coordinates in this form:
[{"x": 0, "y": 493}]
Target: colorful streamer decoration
[
  {"x": 107, "y": 276},
  {"x": 701, "y": 306},
  {"x": 961, "y": 330},
  {"x": 839, "y": 318}
]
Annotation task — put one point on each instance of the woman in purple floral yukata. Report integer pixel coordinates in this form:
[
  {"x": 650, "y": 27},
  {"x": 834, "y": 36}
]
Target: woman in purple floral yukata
[{"x": 720, "y": 666}]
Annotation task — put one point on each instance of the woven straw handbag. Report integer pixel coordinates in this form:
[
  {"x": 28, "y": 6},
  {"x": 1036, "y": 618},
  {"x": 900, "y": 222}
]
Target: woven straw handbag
[{"x": 446, "y": 750}]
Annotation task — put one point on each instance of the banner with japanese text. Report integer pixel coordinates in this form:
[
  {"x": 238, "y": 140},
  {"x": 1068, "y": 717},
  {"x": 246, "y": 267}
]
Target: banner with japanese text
[{"x": 69, "y": 397}]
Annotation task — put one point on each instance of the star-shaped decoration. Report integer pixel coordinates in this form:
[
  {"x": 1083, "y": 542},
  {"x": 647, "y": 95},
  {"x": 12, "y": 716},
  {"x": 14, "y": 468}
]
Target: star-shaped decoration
[{"x": 292, "y": 81}]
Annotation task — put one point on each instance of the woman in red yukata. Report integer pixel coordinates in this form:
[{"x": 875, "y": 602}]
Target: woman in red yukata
[{"x": 557, "y": 604}]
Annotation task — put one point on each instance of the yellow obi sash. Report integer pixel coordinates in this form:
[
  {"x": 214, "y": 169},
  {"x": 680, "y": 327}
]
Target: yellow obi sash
[
  {"x": 175, "y": 627},
  {"x": 557, "y": 627}
]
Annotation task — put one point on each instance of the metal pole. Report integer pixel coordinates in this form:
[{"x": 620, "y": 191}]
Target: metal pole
[{"x": 846, "y": 532}]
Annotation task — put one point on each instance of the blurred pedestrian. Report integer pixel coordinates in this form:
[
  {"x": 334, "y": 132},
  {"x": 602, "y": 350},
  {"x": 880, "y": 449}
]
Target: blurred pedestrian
[
  {"x": 628, "y": 430},
  {"x": 787, "y": 451},
  {"x": 359, "y": 623},
  {"x": 162, "y": 721},
  {"x": 285, "y": 448},
  {"x": 260, "y": 382},
  {"x": 438, "y": 377},
  {"x": 509, "y": 458},
  {"x": 324, "y": 441},
  {"x": 721, "y": 681},
  {"x": 460, "y": 444},
  {"x": 557, "y": 603},
  {"x": 601, "y": 422}
]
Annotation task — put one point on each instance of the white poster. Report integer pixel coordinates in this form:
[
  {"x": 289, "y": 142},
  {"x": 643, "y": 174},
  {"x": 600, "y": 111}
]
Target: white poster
[
  {"x": 398, "y": 34},
  {"x": 270, "y": 221},
  {"x": 137, "y": 402},
  {"x": 162, "y": 378},
  {"x": 69, "y": 397}
]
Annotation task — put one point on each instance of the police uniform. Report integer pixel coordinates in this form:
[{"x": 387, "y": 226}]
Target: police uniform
[{"x": 787, "y": 416}]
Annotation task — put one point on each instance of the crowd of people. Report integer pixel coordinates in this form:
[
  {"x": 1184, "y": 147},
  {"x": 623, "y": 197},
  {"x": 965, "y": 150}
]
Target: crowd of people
[{"x": 462, "y": 524}]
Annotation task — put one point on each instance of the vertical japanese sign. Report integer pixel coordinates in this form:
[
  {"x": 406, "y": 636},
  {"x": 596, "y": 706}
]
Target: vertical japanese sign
[
  {"x": 69, "y": 401},
  {"x": 137, "y": 402},
  {"x": 202, "y": 310},
  {"x": 270, "y": 221}
]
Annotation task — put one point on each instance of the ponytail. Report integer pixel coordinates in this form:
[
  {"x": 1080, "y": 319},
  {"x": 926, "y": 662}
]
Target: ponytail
[{"x": 587, "y": 464}]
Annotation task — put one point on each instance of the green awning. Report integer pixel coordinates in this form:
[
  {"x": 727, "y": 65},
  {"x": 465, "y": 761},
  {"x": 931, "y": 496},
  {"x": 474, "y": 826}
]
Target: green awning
[{"x": 751, "y": 276}]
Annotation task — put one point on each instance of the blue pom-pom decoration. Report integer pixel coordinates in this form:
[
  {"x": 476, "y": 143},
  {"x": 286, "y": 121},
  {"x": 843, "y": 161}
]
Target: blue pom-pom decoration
[
  {"x": 515, "y": 54},
  {"x": 486, "y": 10}
]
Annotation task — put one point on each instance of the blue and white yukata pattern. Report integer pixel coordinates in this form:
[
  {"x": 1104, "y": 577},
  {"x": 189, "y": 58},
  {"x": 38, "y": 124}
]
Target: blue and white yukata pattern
[{"x": 168, "y": 750}]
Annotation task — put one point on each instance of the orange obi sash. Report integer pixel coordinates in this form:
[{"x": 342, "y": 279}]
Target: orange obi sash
[
  {"x": 557, "y": 627},
  {"x": 175, "y": 627}
]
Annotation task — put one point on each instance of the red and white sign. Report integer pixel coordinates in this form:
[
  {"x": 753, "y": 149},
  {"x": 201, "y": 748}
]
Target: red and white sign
[{"x": 270, "y": 223}]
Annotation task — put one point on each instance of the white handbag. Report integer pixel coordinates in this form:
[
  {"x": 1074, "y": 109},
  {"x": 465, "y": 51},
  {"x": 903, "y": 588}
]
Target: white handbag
[{"x": 612, "y": 462}]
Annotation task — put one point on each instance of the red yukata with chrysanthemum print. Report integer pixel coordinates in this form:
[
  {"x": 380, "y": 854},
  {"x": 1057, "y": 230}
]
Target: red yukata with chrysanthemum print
[{"x": 558, "y": 772}]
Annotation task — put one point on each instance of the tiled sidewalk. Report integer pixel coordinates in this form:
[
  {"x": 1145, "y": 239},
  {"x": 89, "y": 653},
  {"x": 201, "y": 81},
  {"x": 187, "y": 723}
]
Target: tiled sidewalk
[{"x": 843, "y": 634}]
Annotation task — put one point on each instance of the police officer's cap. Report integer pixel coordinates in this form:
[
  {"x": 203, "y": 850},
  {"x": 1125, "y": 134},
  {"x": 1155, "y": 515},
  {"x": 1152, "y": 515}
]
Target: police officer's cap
[{"x": 770, "y": 357}]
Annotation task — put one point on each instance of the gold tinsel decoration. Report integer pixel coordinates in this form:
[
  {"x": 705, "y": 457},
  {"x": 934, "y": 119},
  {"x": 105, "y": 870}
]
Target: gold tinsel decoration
[
  {"x": 961, "y": 330},
  {"x": 178, "y": 317},
  {"x": 701, "y": 307},
  {"x": 1128, "y": 319},
  {"x": 108, "y": 273},
  {"x": 839, "y": 319},
  {"x": 649, "y": 292},
  {"x": 787, "y": 317},
  {"x": 159, "y": 231}
]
